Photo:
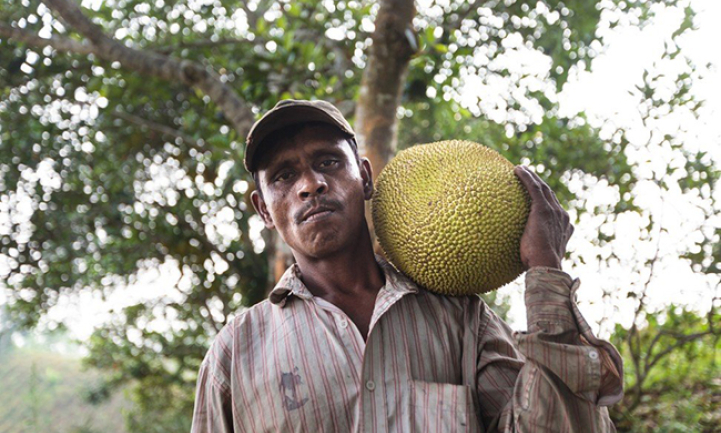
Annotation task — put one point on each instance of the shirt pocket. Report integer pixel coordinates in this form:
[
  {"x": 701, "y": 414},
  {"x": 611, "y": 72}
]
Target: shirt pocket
[{"x": 442, "y": 407}]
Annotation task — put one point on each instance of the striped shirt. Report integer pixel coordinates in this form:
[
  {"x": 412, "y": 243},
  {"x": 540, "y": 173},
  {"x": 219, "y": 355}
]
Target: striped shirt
[{"x": 430, "y": 363}]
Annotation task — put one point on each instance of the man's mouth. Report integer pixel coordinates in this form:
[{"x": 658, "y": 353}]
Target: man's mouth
[
  {"x": 318, "y": 210},
  {"x": 317, "y": 214}
]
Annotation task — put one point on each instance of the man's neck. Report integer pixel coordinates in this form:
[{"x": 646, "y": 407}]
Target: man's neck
[{"x": 349, "y": 273}]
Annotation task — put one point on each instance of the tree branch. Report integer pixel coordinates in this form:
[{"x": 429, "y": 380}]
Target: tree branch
[
  {"x": 57, "y": 42},
  {"x": 252, "y": 16},
  {"x": 163, "y": 129},
  {"x": 634, "y": 334},
  {"x": 208, "y": 43},
  {"x": 460, "y": 16},
  {"x": 158, "y": 65},
  {"x": 680, "y": 341}
]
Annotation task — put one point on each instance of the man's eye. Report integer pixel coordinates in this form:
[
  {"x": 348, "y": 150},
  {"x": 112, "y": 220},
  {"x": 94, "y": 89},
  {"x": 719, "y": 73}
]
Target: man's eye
[
  {"x": 284, "y": 176},
  {"x": 328, "y": 163}
]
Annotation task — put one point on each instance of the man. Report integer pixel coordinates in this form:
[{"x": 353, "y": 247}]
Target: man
[{"x": 346, "y": 343}]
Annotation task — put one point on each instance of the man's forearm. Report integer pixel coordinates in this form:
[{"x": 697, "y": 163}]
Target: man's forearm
[{"x": 564, "y": 384}]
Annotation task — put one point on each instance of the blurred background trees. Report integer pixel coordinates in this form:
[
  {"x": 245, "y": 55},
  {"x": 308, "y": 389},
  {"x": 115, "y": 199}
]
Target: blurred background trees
[{"x": 121, "y": 139}]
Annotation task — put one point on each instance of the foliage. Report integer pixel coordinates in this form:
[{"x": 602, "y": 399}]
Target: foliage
[
  {"x": 105, "y": 173},
  {"x": 45, "y": 391},
  {"x": 672, "y": 373}
]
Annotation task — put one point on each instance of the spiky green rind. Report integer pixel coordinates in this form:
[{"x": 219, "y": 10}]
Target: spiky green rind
[{"x": 450, "y": 215}]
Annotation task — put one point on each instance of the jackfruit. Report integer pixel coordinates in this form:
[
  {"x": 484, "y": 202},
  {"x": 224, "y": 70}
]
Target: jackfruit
[{"x": 450, "y": 216}]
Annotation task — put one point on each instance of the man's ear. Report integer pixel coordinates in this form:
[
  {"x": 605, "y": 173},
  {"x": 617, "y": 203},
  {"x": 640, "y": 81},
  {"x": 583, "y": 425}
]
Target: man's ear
[
  {"x": 366, "y": 172},
  {"x": 262, "y": 209}
]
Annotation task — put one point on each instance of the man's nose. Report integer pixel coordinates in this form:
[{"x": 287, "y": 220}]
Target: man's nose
[{"x": 312, "y": 184}]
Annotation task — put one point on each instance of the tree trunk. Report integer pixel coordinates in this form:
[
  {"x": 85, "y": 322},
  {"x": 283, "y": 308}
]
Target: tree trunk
[{"x": 394, "y": 42}]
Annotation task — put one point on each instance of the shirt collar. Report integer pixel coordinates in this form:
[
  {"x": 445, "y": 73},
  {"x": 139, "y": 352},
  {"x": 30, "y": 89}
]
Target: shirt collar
[
  {"x": 396, "y": 282},
  {"x": 291, "y": 284}
]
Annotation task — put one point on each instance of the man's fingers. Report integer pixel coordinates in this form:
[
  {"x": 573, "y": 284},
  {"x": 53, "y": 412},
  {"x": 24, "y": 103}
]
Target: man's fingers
[
  {"x": 550, "y": 195},
  {"x": 532, "y": 185},
  {"x": 541, "y": 193}
]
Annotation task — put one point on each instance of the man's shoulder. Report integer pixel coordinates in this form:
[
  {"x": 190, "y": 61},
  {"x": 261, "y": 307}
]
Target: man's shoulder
[
  {"x": 256, "y": 316},
  {"x": 454, "y": 303},
  {"x": 253, "y": 315}
]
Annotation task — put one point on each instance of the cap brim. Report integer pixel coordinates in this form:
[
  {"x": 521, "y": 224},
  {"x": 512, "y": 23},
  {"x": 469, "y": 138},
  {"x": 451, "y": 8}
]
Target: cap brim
[{"x": 280, "y": 118}]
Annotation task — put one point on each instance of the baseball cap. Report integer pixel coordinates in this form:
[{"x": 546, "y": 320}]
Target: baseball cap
[{"x": 290, "y": 112}]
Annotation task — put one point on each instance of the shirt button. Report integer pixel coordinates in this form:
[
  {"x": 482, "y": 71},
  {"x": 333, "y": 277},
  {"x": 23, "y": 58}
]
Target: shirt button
[
  {"x": 593, "y": 354},
  {"x": 343, "y": 323},
  {"x": 370, "y": 385}
]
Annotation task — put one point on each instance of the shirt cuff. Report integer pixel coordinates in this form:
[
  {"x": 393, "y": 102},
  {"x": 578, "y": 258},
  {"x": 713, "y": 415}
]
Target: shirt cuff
[
  {"x": 560, "y": 339},
  {"x": 548, "y": 300}
]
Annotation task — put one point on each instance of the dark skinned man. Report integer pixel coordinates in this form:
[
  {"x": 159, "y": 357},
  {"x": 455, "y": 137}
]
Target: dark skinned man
[{"x": 345, "y": 343}]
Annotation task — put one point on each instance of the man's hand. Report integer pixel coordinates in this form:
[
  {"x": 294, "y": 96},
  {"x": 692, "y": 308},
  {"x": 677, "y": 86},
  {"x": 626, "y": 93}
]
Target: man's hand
[{"x": 548, "y": 228}]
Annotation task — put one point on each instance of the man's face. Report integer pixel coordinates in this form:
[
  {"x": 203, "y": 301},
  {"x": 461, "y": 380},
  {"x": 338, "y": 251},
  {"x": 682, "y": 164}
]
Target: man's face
[{"x": 314, "y": 191}]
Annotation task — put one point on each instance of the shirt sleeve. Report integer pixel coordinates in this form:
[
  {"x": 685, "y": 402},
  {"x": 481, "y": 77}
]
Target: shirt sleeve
[
  {"x": 557, "y": 376},
  {"x": 213, "y": 409}
]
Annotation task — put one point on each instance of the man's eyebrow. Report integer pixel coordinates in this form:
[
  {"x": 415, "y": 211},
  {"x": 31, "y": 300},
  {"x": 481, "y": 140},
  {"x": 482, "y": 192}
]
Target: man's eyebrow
[
  {"x": 326, "y": 151},
  {"x": 274, "y": 167}
]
